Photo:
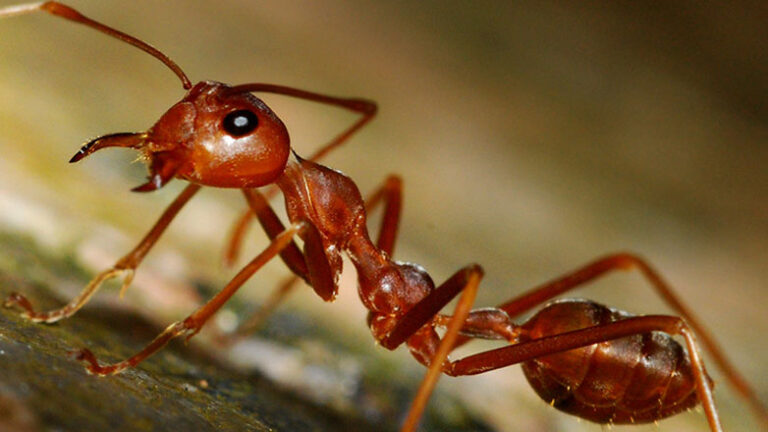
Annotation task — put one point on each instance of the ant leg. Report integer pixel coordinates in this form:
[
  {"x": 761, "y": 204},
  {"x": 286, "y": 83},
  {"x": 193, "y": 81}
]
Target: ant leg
[
  {"x": 237, "y": 234},
  {"x": 529, "y": 350},
  {"x": 466, "y": 280},
  {"x": 126, "y": 265},
  {"x": 291, "y": 255},
  {"x": 366, "y": 108},
  {"x": 390, "y": 193},
  {"x": 312, "y": 264},
  {"x": 192, "y": 324},
  {"x": 427, "y": 309},
  {"x": 627, "y": 261}
]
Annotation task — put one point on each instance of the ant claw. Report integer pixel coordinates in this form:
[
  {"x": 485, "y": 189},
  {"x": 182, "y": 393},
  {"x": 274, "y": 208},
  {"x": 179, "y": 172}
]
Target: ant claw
[
  {"x": 21, "y": 302},
  {"x": 13, "y": 299},
  {"x": 79, "y": 354},
  {"x": 85, "y": 356}
]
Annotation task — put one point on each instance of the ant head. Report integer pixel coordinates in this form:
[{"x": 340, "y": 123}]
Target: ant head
[
  {"x": 214, "y": 136},
  {"x": 217, "y": 135}
]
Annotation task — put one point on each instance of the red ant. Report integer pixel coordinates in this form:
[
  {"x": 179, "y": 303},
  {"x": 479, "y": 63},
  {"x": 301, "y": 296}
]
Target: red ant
[{"x": 584, "y": 358}]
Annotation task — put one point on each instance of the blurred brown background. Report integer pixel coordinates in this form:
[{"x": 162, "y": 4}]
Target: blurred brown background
[{"x": 532, "y": 138}]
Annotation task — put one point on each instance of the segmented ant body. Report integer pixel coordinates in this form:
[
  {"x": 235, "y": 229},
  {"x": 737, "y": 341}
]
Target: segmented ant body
[{"x": 584, "y": 358}]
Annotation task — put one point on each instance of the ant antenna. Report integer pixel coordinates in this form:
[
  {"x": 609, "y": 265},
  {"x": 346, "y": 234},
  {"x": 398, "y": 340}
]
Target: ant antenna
[{"x": 63, "y": 11}]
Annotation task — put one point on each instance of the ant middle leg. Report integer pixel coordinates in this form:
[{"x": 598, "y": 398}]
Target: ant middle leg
[
  {"x": 292, "y": 257},
  {"x": 125, "y": 266}
]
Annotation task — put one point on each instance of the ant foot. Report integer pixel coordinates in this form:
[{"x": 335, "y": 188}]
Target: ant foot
[
  {"x": 18, "y": 301},
  {"x": 92, "y": 365}
]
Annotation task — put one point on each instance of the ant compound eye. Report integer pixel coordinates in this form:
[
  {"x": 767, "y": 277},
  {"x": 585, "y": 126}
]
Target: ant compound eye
[{"x": 240, "y": 122}]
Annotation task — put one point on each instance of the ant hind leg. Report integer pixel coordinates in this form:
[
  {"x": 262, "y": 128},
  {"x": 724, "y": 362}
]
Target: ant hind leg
[{"x": 524, "y": 351}]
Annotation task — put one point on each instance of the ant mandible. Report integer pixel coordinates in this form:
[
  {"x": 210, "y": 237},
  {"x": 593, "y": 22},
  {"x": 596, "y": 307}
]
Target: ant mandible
[{"x": 584, "y": 358}]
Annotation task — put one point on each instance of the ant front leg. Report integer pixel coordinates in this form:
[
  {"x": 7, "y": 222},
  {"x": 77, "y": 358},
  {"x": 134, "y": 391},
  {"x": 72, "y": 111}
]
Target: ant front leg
[
  {"x": 312, "y": 264},
  {"x": 194, "y": 322},
  {"x": 291, "y": 256},
  {"x": 270, "y": 222},
  {"x": 125, "y": 266},
  {"x": 389, "y": 194}
]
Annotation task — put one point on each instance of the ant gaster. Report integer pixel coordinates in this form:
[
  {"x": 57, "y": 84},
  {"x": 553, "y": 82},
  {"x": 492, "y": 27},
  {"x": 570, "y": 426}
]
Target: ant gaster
[{"x": 584, "y": 358}]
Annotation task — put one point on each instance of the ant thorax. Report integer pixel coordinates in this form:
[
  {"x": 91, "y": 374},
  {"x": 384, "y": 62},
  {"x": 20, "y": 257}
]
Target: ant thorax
[{"x": 332, "y": 203}]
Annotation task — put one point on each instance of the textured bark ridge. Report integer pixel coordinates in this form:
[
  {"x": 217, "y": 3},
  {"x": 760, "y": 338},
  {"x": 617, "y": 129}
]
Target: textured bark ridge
[{"x": 42, "y": 388}]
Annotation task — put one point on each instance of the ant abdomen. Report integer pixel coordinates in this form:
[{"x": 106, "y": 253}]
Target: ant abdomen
[{"x": 634, "y": 379}]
